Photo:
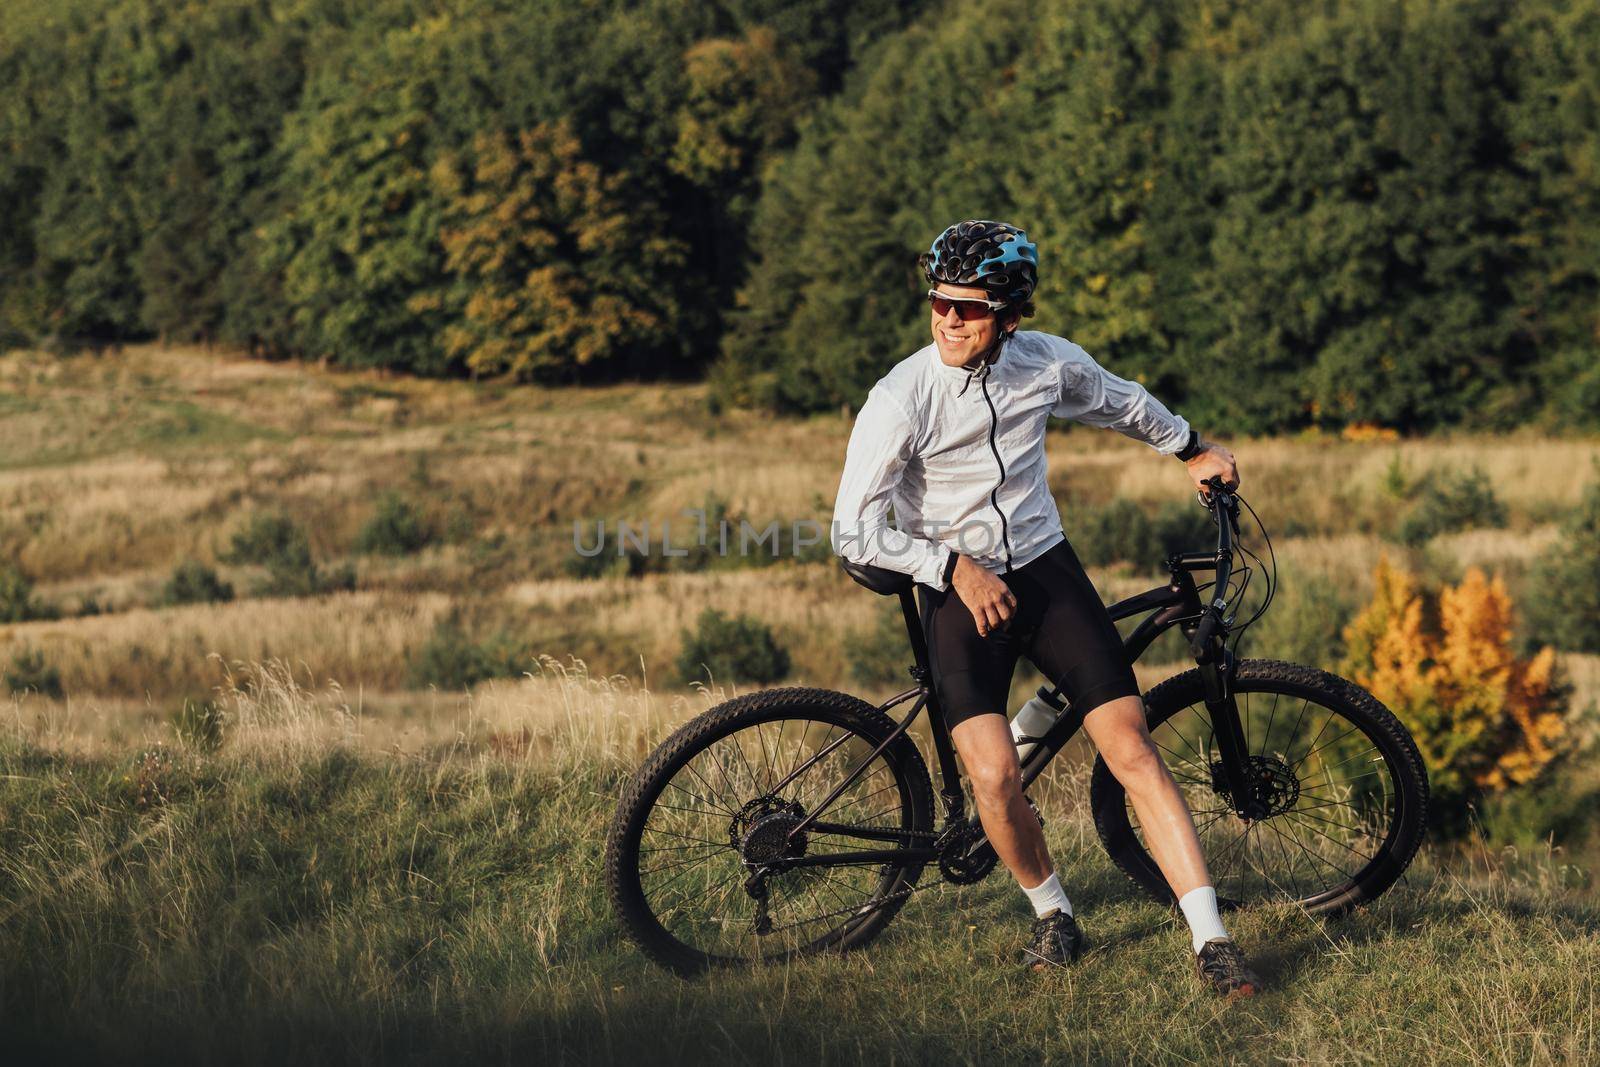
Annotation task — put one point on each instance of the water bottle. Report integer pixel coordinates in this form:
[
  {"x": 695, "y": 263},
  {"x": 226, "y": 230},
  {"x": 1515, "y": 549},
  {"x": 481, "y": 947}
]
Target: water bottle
[{"x": 1034, "y": 718}]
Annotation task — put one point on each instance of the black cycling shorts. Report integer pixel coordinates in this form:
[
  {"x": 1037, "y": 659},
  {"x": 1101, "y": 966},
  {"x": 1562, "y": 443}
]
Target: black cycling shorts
[{"x": 1060, "y": 624}]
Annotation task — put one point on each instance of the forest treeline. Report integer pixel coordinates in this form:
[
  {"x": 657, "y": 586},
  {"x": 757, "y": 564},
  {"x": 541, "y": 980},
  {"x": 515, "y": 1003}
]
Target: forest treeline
[{"x": 1277, "y": 214}]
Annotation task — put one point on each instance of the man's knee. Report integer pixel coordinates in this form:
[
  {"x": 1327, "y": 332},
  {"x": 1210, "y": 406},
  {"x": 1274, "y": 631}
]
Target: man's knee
[
  {"x": 1124, "y": 742},
  {"x": 995, "y": 780},
  {"x": 1133, "y": 758}
]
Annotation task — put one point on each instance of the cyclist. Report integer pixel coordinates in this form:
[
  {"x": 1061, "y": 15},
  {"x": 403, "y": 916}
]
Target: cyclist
[{"x": 953, "y": 438}]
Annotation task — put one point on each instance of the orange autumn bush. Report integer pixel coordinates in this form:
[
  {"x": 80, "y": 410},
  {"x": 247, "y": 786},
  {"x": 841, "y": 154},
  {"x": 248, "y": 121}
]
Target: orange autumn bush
[{"x": 1483, "y": 717}]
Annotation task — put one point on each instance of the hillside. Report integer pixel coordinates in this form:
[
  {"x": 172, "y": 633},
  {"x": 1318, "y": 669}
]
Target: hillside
[
  {"x": 267, "y": 827},
  {"x": 123, "y": 468}
]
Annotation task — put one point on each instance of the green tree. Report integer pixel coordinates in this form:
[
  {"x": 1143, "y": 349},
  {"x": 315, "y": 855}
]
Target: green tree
[
  {"x": 557, "y": 272},
  {"x": 85, "y": 224},
  {"x": 1553, "y": 123},
  {"x": 1361, "y": 248},
  {"x": 1090, "y": 171},
  {"x": 214, "y": 87},
  {"x": 359, "y": 237},
  {"x": 833, "y": 298}
]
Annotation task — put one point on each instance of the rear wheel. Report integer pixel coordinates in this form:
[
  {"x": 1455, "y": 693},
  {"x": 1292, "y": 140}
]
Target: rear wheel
[
  {"x": 724, "y": 798},
  {"x": 1339, "y": 793}
]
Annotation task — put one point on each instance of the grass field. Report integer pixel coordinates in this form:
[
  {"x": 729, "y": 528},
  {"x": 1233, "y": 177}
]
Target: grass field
[
  {"x": 356, "y": 864},
  {"x": 299, "y": 897}
]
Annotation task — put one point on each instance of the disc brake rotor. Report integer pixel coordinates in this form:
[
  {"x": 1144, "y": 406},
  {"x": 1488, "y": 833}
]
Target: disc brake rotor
[{"x": 1273, "y": 787}]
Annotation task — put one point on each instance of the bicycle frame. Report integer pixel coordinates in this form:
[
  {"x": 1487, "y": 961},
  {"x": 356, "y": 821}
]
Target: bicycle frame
[{"x": 1175, "y": 604}]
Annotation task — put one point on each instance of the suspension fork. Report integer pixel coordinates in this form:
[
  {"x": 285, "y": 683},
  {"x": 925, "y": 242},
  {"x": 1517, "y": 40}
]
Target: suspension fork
[{"x": 1216, "y": 679}]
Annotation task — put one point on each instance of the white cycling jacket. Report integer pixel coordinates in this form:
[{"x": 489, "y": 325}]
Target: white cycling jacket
[{"x": 960, "y": 455}]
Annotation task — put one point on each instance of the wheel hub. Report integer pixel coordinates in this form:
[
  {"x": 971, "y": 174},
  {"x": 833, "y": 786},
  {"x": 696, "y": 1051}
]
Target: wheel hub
[
  {"x": 762, "y": 831},
  {"x": 1273, "y": 787}
]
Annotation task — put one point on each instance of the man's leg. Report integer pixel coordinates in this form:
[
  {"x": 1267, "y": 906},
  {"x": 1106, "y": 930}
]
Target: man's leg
[
  {"x": 1118, "y": 730},
  {"x": 990, "y": 757}
]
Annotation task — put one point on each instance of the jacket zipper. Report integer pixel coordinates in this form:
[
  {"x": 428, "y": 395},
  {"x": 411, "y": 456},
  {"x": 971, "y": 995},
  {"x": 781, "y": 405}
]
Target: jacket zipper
[{"x": 994, "y": 498}]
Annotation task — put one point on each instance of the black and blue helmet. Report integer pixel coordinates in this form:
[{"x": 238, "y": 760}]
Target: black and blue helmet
[{"x": 981, "y": 252}]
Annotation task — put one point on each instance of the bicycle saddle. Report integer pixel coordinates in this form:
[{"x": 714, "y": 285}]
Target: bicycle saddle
[{"x": 878, "y": 579}]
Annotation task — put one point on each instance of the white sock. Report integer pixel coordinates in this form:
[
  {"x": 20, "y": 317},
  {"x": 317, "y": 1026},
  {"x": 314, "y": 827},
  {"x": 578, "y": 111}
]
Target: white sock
[
  {"x": 1048, "y": 896},
  {"x": 1199, "y": 906}
]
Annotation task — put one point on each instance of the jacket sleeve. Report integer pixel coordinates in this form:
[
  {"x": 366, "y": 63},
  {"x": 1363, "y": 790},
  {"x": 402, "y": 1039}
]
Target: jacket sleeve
[
  {"x": 880, "y": 446},
  {"x": 1093, "y": 395}
]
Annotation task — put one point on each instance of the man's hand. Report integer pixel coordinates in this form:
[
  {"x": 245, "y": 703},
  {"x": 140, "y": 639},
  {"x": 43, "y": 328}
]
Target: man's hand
[
  {"x": 988, "y": 598},
  {"x": 1213, "y": 461}
]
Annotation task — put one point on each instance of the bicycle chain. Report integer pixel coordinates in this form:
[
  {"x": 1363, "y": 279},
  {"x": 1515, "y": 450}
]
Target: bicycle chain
[
  {"x": 935, "y": 836},
  {"x": 954, "y": 834}
]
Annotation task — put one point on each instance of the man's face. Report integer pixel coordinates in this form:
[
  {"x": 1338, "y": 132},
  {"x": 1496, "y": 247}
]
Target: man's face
[{"x": 960, "y": 342}]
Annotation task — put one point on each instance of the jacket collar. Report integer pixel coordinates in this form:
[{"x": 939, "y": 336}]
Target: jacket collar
[{"x": 961, "y": 380}]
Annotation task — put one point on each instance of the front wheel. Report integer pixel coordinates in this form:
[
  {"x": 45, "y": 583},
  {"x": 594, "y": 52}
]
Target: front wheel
[
  {"x": 1339, "y": 793},
  {"x": 738, "y": 840}
]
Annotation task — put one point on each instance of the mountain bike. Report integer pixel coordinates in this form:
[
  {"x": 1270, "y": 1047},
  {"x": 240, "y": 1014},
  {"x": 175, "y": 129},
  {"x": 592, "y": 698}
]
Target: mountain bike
[{"x": 798, "y": 820}]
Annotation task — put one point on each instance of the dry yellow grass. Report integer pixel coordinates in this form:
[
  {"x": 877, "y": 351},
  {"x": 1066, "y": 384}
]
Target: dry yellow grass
[
  {"x": 120, "y": 467},
  {"x": 354, "y": 638},
  {"x": 273, "y": 707}
]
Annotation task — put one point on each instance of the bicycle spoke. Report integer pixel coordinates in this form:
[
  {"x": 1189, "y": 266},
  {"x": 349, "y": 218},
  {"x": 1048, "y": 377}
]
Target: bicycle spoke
[
  {"x": 1334, "y": 840},
  {"x": 1267, "y": 736},
  {"x": 1180, "y": 759},
  {"x": 1331, "y": 809},
  {"x": 708, "y": 786},
  {"x": 1315, "y": 854},
  {"x": 694, "y": 796},
  {"x": 1319, "y": 748},
  {"x": 691, "y": 858}
]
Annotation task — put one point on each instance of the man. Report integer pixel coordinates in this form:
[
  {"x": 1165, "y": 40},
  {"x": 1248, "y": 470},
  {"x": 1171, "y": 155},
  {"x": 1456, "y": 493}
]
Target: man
[{"x": 953, "y": 437}]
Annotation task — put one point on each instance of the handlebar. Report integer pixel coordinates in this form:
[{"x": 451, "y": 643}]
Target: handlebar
[{"x": 1225, "y": 512}]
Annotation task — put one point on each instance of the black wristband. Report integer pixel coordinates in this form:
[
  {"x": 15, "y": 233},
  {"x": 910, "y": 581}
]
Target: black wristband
[
  {"x": 950, "y": 568},
  {"x": 1193, "y": 448}
]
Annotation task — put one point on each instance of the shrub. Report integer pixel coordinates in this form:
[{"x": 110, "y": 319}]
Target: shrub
[
  {"x": 1446, "y": 502},
  {"x": 270, "y": 539},
  {"x": 192, "y": 582},
  {"x": 1121, "y": 531},
  {"x": 739, "y": 648},
  {"x": 31, "y": 672},
  {"x": 1560, "y": 805},
  {"x": 879, "y": 654},
  {"x": 276, "y": 542},
  {"x": 310, "y": 580},
  {"x": 17, "y": 603},
  {"x": 1563, "y": 600},
  {"x": 451, "y": 659},
  {"x": 396, "y": 528},
  {"x": 1305, "y": 623},
  {"x": 599, "y": 565},
  {"x": 1484, "y": 719},
  {"x": 1395, "y": 482},
  {"x": 1181, "y": 526},
  {"x": 1118, "y": 531}
]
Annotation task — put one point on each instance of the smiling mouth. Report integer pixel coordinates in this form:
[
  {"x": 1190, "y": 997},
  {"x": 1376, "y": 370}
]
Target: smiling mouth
[{"x": 951, "y": 338}]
